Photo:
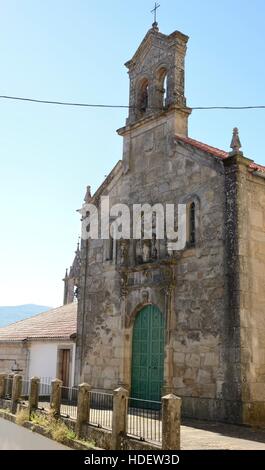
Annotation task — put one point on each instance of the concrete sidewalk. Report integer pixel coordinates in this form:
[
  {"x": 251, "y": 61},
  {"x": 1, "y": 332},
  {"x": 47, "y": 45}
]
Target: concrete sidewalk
[{"x": 203, "y": 435}]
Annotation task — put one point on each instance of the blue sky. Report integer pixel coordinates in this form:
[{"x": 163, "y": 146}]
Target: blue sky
[{"x": 74, "y": 50}]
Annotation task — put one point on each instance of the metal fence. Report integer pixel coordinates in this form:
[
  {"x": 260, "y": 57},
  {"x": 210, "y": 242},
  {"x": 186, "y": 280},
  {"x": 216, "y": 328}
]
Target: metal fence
[
  {"x": 46, "y": 380},
  {"x": 45, "y": 393},
  {"x": 145, "y": 419},
  {"x": 101, "y": 406},
  {"x": 25, "y": 389},
  {"x": 69, "y": 396}
]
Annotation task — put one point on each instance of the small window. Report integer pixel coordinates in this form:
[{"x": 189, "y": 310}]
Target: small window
[
  {"x": 164, "y": 91},
  {"x": 76, "y": 293},
  {"x": 162, "y": 88},
  {"x": 192, "y": 228},
  {"x": 143, "y": 97}
]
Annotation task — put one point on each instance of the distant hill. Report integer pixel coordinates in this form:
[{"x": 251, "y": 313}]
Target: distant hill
[{"x": 19, "y": 312}]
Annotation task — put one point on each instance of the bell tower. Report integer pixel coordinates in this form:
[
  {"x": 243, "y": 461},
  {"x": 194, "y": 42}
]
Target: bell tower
[{"x": 157, "y": 88}]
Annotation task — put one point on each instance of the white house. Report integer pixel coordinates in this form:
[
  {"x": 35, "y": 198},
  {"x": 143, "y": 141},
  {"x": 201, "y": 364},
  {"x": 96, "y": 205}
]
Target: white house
[{"x": 42, "y": 346}]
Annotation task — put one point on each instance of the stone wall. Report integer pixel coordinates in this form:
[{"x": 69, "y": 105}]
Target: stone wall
[
  {"x": 14, "y": 351},
  {"x": 189, "y": 290},
  {"x": 211, "y": 295},
  {"x": 252, "y": 294}
]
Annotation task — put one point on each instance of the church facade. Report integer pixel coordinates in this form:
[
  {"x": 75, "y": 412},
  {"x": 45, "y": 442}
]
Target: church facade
[{"x": 190, "y": 322}]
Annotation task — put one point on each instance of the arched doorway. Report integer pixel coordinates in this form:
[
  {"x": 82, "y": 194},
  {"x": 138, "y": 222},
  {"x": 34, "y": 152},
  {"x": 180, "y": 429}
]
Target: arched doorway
[{"x": 148, "y": 354}]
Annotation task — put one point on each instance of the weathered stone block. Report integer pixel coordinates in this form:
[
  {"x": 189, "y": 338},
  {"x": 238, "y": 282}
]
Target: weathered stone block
[
  {"x": 211, "y": 359},
  {"x": 204, "y": 377},
  {"x": 179, "y": 358},
  {"x": 192, "y": 360}
]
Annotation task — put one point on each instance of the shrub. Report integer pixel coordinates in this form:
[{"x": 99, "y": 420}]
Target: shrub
[
  {"x": 57, "y": 428},
  {"x": 71, "y": 434},
  {"x": 40, "y": 419},
  {"x": 22, "y": 416},
  {"x": 59, "y": 431}
]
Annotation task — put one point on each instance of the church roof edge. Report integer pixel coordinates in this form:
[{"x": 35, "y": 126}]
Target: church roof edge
[
  {"x": 107, "y": 180},
  {"x": 152, "y": 33},
  {"x": 222, "y": 154}
]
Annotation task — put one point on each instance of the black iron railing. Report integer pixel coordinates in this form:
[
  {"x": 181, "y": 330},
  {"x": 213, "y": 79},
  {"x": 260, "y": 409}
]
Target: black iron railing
[
  {"x": 101, "y": 406},
  {"x": 69, "y": 396},
  {"x": 144, "y": 419},
  {"x": 45, "y": 389},
  {"x": 25, "y": 389}
]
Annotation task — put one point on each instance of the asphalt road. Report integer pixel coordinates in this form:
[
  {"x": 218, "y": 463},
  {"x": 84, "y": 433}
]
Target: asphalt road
[{"x": 14, "y": 437}]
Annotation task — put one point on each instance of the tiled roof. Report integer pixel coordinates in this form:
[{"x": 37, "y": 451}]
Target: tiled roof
[
  {"x": 204, "y": 147},
  {"x": 256, "y": 167},
  {"x": 215, "y": 151},
  {"x": 58, "y": 323}
]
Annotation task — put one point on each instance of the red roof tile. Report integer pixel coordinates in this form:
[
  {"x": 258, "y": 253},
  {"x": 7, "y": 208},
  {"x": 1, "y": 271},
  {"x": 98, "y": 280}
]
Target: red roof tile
[
  {"x": 215, "y": 151},
  {"x": 256, "y": 167},
  {"x": 58, "y": 323},
  {"x": 204, "y": 147}
]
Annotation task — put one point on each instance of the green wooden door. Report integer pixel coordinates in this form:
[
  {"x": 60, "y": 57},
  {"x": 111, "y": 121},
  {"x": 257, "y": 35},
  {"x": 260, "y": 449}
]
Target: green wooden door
[{"x": 148, "y": 354}]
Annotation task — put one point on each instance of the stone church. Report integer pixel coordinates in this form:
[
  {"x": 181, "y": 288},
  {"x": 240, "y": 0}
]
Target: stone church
[{"x": 190, "y": 322}]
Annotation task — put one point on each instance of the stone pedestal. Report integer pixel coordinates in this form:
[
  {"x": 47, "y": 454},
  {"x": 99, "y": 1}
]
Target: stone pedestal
[
  {"x": 119, "y": 417},
  {"x": 16, "y": 392},
  {"x": 83, "y": 407},
  {"x": 56, "y": 393},
  {"x": 171, "y": 420},
  {"x": 3, "y": 378},
  {"x": 34, "y": 394}
]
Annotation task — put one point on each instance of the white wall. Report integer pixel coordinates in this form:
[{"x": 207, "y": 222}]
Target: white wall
[{"x": 43, "y": 359}]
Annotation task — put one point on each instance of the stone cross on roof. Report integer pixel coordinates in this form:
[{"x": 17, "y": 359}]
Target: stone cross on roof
[{"x": 154, "y": 11}]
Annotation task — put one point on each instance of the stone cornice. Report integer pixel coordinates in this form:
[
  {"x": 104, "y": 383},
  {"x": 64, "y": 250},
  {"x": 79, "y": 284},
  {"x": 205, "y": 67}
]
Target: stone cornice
[{"x": 151, "y": 118}]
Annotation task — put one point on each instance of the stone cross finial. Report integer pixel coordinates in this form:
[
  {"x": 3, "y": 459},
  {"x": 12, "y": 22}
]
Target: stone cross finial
[
  {"x": 235, "y": 143},
  {"x": 155, "y": 24},
  {"x": 88, "y": 194}
]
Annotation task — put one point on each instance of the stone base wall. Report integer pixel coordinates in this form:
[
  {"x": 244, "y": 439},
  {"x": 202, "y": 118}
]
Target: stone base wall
[
  {"x": 254, "y": 414},
  {"x": 5, "y": 404},
  {"x": 210, "y": 409},
  {"x": 102, "y": 439}
]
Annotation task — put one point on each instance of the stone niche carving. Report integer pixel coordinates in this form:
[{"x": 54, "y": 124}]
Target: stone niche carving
[
  {"x": 123, "y": 285},
  {"x": 146, "y": 250},
  {"x": 138, "y": 252},
  {"x": 124, "y": 252},
  {"x": 145, "y": 296},
  {"x": 150, "y": 277},
  {"x": 154, "y": 247}
]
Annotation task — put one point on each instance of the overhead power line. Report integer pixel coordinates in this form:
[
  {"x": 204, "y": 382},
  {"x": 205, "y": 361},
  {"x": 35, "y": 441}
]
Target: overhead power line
[
  {"x": 90, "y": 105},
  {"x": 229, "y": 107},
  {"x": 62, "y": 103}
]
